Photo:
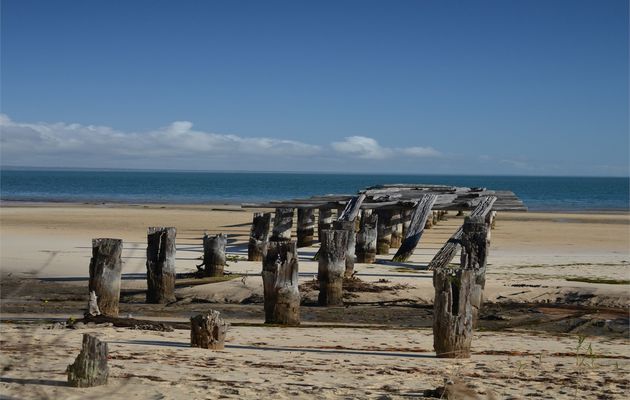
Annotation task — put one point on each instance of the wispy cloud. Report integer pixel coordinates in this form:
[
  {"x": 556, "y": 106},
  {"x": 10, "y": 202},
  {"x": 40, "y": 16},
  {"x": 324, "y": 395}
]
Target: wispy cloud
[
  {"x": 369, "y": 148},
  {"x": 178, "y": 139}
]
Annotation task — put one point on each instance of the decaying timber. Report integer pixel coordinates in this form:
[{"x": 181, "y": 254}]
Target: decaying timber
[
  {"x": 280, "y": 283},
  {"x": 324, "y": 220},
  {"x": 105, "y": 270},
  {"x": 208, "y": 331},
  {"x": 446, "y": 254},
  {"x": 416, "y": 227},
  {"x": 397, "y": 228},
  {"x": 384, "y": 231},
  {"x": 259, "y": 236},
  {"x": 474, "y": 256},
  {"x": 452, "y": 312},
  {"x": 214, "y": 257},
  {"x": 332, "y": 266},
  {"x": 305, "y": 227},
  {"x": 161, "y": 264},
  {"x": 366, "y": 238},
  {"x": 90, "y": 367},
  {"x": 282, "y": 223}
]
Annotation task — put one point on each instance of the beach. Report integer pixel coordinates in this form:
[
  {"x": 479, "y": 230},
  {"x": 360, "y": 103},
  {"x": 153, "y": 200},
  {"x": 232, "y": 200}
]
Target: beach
[{"x": 552, "y": 277}]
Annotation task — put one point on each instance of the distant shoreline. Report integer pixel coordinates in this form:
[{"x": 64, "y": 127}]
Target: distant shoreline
[{"x": 125, "y": 204}]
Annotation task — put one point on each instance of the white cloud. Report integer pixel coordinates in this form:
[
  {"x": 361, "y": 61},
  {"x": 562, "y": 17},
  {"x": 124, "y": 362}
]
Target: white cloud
[
  {"x": 362, "y": 147},
  {"x": 368, "y": 148},
  {"x": 24, "y": 141}
]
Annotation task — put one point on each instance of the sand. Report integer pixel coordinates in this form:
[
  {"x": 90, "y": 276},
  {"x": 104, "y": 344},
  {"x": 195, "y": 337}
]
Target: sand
[{"x": 554, "y": 259}]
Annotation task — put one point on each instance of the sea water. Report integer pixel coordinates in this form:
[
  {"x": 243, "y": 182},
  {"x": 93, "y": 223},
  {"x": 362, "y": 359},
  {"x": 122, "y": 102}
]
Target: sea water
[{"x": 538, "y": 193}]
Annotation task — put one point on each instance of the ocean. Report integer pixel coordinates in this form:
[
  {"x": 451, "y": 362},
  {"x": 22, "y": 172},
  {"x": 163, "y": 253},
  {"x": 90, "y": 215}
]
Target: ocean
[{"x": 538, "y": 193}]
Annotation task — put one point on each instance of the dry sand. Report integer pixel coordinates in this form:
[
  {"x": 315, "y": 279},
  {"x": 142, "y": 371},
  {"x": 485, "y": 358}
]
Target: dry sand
[{"x": 536, "y": 258}]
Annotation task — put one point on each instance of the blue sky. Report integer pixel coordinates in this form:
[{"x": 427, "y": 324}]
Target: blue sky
[{"x": 476, "y": 87}]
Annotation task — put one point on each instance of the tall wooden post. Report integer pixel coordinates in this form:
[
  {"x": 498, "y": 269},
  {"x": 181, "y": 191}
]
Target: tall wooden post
[
  {"x": 348, "y": 226},
  {"x": 280, "y": 283},
  {"x": 105, "y": 269},
  {"x": 161, "y": 265},
  {"x": 305, "y": 227},
  {"x": 474, "y": 256},
  {"x": 214, "y": 258},
  {"x": 459, "y": 293},
  {"x": 325, "y": 220},
  {"x": 397, "y": 228},
  {"x": 384, "y": 231},
  {"x": 259, "y": 236},
  {"x": 366, "y": 238},
  {"x": 332, "y": 266},
  {"x": 282, "y": 223},
  {"x": 90, "y": 367}
]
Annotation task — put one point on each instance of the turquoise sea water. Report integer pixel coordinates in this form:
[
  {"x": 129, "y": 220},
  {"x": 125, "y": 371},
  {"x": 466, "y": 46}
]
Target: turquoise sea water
[{"x": 538, "y": 193}]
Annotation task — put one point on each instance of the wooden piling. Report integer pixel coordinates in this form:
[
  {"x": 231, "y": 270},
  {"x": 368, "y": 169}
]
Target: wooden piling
[
  {"x": 474, "y": 256},
  {"x": 282, "y": 224},
  {"x": 348, "y": 226},
  {"x": 161, "y": 264},
  {"x": 280, "y": 283},
  {"x": 258, "y": 236},
  {"x": 105, "y": 269},
  {"x": 384, "y": 231},
  {"x": 366, "y": 238},
  {"x": 208, "y": 331},
  {"x": 214, "y": 258},
  {"x": 325, "y": 220},
  {"x": 305, "y": 227},
  {"x": 90, "y": 367},
  {"x": 332, "y": 266},
  {"x": 459, "y": 293},
  {"x": 397, "y": 227},
  {"x": 452, "y": 312}
]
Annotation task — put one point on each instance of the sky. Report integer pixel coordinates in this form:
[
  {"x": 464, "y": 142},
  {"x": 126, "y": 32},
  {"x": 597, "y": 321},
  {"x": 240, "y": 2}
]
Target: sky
[{"x": 536, "y": 87}]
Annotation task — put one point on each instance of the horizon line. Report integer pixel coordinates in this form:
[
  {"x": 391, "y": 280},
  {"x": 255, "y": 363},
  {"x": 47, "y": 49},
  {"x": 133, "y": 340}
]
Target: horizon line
[{"x": 109, "y": 169}]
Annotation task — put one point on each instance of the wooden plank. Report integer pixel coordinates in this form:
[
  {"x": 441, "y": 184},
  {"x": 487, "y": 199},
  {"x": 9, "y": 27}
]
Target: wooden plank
[
  {"x": 449, "y": 250},
  {"x": 416, "y": 228},
  {"x": 352, "y": 208}
]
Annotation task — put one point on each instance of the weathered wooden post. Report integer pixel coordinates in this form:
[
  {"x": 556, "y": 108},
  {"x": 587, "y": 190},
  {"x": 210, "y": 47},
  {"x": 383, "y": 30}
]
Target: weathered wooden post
[
  {"x": 474, "y": 256},
  {"x": 280, "y": 283},
  {"x": 384, "y": 231},
  {"x": 105, "y": 269},
  {"x": 160, "y": 265},
  {"x": 259, "y": 236},
  {"x": 435, "y": 217},
  {"x": 325, "y": 220},
  {"x": 416, "y": 227},
  {"x": 452, "y": 312},
  {"x": 397, "y": 227},
  {"x": 90, "y": 367},
  {"x": 348, "y": 226},
  {"x": 459, "y": 293},
  {"x": 214, "y": 258},
  {"x": 332, "y": 266},
  {"x": 366, "y": 238},
  {"x": 208, "y": 331},
  {"x": 282, "y": 223},
  {"x": 305, "y": 227}
]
